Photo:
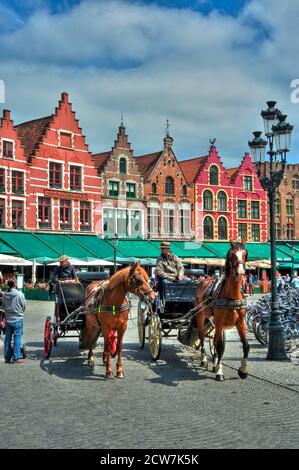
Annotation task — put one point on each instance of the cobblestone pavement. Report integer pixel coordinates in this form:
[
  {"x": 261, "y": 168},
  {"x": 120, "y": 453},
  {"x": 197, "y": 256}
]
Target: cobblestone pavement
[{"x": 61, "y": 403}]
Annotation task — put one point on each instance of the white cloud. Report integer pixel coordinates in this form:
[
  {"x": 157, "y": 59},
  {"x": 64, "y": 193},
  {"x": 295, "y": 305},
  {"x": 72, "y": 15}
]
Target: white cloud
[{"x": 210, "y": 75}]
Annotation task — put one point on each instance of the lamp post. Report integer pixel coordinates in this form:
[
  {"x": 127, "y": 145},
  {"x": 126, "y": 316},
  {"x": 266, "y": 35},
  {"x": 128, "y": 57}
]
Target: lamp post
[
  {"x": 115, "y": 245},
  {"x": 279, "y": 131}
]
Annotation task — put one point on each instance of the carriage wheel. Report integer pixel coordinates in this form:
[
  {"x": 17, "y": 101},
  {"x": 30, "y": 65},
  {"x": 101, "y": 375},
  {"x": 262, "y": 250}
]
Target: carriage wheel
[
  {"x": 55, "y": 336},
  {"x": 155, "y": 336},
  {"x": 211, "y": 341},
  {"x": 47, "y": 338},
  {"x": 140, "y": 325}
]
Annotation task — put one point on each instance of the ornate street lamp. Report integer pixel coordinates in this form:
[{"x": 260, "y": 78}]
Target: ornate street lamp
[
  {"x": 114, "y": 241},
  {"x": 279, "y": 131}
]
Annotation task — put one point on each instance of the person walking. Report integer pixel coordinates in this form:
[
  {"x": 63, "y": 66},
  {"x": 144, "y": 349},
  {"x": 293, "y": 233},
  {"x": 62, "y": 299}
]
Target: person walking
[{"x": 14, "y": 306}]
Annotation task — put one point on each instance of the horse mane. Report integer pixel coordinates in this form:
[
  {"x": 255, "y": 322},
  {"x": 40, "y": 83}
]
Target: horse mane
[{"x": 122, "y": 275}]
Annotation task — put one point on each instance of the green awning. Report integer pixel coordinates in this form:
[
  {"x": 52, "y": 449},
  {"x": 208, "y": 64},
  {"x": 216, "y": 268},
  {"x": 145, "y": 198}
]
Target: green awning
[
  {"x": 175, "y": 247},
  {"x": 136, "y": 248},
  {"x": 28, "y": 245},
  {"x": 65, "y": 245},
  {"x": 5, "y": 249},
  {"x": 195, "y": 249},
  {"x": 255, "y": 250},
  {"x": 97, "y": 247}
]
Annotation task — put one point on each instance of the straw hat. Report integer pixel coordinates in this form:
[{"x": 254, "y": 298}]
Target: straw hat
[
  {"x": 63, "y": 258},
  {"x": 164, "y": 245}
]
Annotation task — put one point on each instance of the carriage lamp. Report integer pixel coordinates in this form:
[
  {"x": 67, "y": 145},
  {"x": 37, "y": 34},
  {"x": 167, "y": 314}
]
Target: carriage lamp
[{"x": 279, "y": 131}]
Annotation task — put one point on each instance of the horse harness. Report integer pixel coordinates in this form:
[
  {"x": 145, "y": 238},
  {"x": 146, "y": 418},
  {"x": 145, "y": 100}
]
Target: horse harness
[{"x": 212, "y": 296}]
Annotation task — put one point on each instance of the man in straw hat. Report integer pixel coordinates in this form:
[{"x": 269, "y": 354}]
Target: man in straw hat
[
  {"x": 65, "y": 272},
  {"x": 169, "y": 267}
]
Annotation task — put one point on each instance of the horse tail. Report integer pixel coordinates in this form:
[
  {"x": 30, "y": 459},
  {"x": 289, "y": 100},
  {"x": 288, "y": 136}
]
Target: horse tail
[{"x": 112, "y": 337}]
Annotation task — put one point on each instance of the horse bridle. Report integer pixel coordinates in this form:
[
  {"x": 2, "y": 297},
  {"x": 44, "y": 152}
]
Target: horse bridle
[
  {"x": 234, "y": 266},
  {"x": 138, "y": 283}
]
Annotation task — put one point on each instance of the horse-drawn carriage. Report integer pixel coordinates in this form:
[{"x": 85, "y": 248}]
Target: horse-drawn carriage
[
  {"x": 68, "y": 310},
  {"x": 175, "y": 309}
]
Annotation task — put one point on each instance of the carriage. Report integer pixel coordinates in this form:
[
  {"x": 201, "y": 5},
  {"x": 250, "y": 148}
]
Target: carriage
[
  {"x": 175, "y": 312},
  {"x": 69, "y": 319}
]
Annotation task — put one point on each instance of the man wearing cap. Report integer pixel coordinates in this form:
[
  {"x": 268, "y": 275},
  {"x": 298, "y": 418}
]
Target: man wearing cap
[
  {"x": 65, "y": 272},
  {"x": 169, "y": 267}
]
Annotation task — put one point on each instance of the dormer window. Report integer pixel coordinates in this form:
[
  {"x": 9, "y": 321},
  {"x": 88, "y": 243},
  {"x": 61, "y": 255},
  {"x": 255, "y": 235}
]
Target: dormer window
[
  {"x": 7, "y": 149},
  {"x": 214, "y": 175},
  {"x": 123, "y": 166}
]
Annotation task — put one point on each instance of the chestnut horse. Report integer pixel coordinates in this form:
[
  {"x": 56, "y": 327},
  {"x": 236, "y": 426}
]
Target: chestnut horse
[
  {"x": 227, "y": 310},
  {"x": 108, "y": 300}
]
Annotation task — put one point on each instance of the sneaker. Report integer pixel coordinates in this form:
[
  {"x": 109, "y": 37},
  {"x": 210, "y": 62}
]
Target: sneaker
[
  {"x": 19, "y": 361},
  {"x": 7, "y": 361}
]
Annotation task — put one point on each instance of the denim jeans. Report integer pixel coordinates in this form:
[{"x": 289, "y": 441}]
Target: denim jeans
[{"x": 14, "y": 330}]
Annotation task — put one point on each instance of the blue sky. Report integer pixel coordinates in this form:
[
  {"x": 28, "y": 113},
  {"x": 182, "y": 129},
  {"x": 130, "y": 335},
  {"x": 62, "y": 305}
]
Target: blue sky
[{"x": 208, "y": 66}]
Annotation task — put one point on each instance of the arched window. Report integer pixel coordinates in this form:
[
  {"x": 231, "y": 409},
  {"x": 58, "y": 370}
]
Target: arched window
[
  {"x": 290, "y": 229},
  {"x": 208, "y": 228},
  {"x": 184, "y": 190},
  {"x": 277, "y": 205},
  {"x": 222, "y": 201},
  {"x": 154, "y": 188},
  {"x": 214, "y": 175},
  {"x": 207, "y": 200},
  {"x": 122, "y": 166},
  {"x": 222, "y": 228},
  {"x": 169, "y": 185},
  {"x": 295, "y": 183}
]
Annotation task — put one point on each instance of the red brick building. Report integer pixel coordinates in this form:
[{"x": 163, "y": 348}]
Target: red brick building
[
  {"x": 167, "y": 195},
  {"x": 123, "y": 209},
  {"x": 50, "y": 179},
  {"x": 227, "y": 203}
]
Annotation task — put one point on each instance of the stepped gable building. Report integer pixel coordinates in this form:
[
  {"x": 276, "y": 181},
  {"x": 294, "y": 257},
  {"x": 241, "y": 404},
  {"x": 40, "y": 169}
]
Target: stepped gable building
[
  {"x": 286, "y": 202},
  {"x": 123, "y": 209},
  {"x": 14, "y": 177},
  {"x": 167, "y": 195},
  {"x": 228, "y": 203},
  {"x": 63, "y": 193}
]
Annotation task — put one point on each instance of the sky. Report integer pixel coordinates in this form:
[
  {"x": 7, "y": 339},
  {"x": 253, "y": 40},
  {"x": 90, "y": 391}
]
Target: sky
[{"x": 208, "y": 66}]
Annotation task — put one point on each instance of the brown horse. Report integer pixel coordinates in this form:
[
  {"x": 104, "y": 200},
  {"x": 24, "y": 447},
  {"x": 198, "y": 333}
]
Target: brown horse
[
  {"x": 112, "y": 312},
  {"x": 227, "y": 310}
]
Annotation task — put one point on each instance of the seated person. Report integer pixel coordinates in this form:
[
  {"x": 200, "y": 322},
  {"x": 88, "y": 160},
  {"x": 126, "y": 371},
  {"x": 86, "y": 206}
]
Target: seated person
[
  {"x": 64, "y": 273},
  {"x": 169, "y": 267}
]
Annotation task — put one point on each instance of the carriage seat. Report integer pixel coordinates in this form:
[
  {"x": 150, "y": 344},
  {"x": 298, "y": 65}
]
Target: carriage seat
[
  {"x": 93, "y": 276},
  {"x": 194, "y": 272}
]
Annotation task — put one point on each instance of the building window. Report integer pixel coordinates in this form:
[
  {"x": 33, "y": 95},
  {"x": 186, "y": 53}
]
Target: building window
[
  {"x": 242, "y": 232},
  {"x": 278, "y": 230},
  {"x": 154, "y": 188},
  {"x": 290, "y": 230},
  {"x": 2, "y": 180},
  {"x": 123, "y": 166},
  {"x": 131, "y": 190},
  {"x": 122, "y": 223},
  {"x": 185, "y": 222},
  {"x": 66, "y": 140},
  {"x": 109, "y": 222},
  {"x": 153, "y": 221},
  {"x": 169, "y": 185},
  {"x": 208, "y": 228},
  {"x": 2, "y": 213},
  {"x": 247, "y": 180},
  {"x": 17, "y": 182},
  {"x": 277, "y": 206},
  {"x": 85, "y": 216},
  {"x": 7, "y": 149},
  {"x": 207, "y": 201},
  {"x": 214, "y": 175},
  {"x": 168, "y": 221},
  {"x": 255, "y": 233},
  {"x": 65, "y": 213},
  {"x": 17, "y": 214},
  {"x": 295, "y": 183},
  {"x": 75, "y": 178},
  {"x": 113, "y": 188},
  {"x": 135, "y": 223},
  {"x": 222, "y": 201},
  {"x": 289, "y": 205},
  {"x": 242, "y": 209},
  {"x": 184, "y": 190},
  {"x": 255, "y": 209},
  {"x": 55, "y": 175},
  {"x": 222, "y": 228},
  {"x": 44, "y": 212}
]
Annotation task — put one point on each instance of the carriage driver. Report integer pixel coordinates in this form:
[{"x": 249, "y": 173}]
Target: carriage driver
[
  {"x": 169, "y": 267},
  {"x": 65, "y": 272}
]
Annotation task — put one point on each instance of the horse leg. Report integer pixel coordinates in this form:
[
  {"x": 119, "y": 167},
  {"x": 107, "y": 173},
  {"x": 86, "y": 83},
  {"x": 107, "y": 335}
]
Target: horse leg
[
  {"x": 201, "y": 335},
  {"x": 89, "y": 335},
  {"x": 109, "y": 374},
  {"x": 119, "y": 348},
  {"x": 246, "y": 348},
  {"x": 219, "y": 345}
]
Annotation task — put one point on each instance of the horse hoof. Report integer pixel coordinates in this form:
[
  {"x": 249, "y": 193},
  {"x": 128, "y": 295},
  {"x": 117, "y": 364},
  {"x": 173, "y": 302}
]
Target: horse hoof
[
  {"x": 220, "y": 378},
  {"x": 214, "y": 369},
  {"x": 204, "y": 365},
  {"x": 242, "y": 375},
  {"x": 91, "y": 364},
  {"x": 109, "y": 375},
  {"x": 120, "y": 375}
]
